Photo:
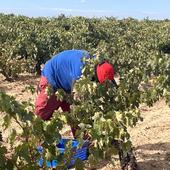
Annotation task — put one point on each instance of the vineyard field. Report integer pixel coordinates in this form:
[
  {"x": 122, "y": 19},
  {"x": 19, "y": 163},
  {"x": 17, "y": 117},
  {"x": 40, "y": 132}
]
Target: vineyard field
[
  {"x": 151, "y": 140},
  {"x": 126, "y": 123}
]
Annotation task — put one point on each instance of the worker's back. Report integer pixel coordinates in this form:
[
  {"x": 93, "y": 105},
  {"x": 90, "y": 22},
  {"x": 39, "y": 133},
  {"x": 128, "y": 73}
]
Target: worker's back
[{"x": 64, "y": 68}]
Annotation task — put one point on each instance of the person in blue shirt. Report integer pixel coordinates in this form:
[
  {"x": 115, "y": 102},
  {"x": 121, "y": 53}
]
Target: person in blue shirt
[
  {"x": 60, "y": 72},
  {"x": 63, "y": 69}
]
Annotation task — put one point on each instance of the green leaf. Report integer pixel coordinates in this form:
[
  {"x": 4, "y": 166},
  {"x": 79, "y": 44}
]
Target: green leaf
[{"x": 79, "y": 165}]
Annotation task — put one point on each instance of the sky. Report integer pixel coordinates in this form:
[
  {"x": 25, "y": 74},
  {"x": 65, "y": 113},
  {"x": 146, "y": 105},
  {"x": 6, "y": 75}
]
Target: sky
[{"x": 139, "y": 9}]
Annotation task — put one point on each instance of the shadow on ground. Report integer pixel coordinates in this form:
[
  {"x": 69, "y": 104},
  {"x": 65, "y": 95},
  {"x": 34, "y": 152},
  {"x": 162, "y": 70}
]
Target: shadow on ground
[{"x": 153, "y": 156}]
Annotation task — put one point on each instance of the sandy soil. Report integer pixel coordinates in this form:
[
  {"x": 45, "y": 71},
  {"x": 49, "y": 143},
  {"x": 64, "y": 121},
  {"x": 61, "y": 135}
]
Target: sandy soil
[{"x": 150, "y": 138}]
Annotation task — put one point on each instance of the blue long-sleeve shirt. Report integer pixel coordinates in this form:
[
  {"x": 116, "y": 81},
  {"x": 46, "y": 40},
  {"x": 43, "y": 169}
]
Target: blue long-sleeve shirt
[{"x": 64, "y": 68}]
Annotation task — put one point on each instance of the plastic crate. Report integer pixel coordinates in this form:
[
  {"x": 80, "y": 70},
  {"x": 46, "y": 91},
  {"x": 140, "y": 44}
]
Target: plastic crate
[{"x": 81, "y": 153}]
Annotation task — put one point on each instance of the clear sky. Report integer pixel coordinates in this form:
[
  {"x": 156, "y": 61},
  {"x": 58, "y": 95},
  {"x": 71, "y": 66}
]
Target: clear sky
[{"x": 153, "y": 9}]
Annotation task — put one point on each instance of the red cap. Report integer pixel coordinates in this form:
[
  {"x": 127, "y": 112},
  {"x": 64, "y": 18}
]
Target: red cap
[{"x": 105, "y": 72}]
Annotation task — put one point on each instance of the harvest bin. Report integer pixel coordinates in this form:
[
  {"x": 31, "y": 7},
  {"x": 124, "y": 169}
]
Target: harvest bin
[{"x": 81, "y": 153}]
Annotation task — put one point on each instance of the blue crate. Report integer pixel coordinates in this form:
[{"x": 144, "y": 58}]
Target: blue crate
[{"x": 81, "y": 153}]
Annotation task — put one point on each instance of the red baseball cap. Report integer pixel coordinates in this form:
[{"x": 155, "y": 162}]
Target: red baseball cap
[{"x": 105, "y": 71}]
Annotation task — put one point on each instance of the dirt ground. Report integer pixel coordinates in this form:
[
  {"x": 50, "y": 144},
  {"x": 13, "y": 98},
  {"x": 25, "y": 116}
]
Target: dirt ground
[{"x": 150, "y": 138}]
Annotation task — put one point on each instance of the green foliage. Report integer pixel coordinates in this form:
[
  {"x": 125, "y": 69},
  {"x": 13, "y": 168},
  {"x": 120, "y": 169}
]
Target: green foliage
[
  {"x": 29, "y": 133},
  {"x": 102, "y": 110},
  {"x": 26, "y": 43}
]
